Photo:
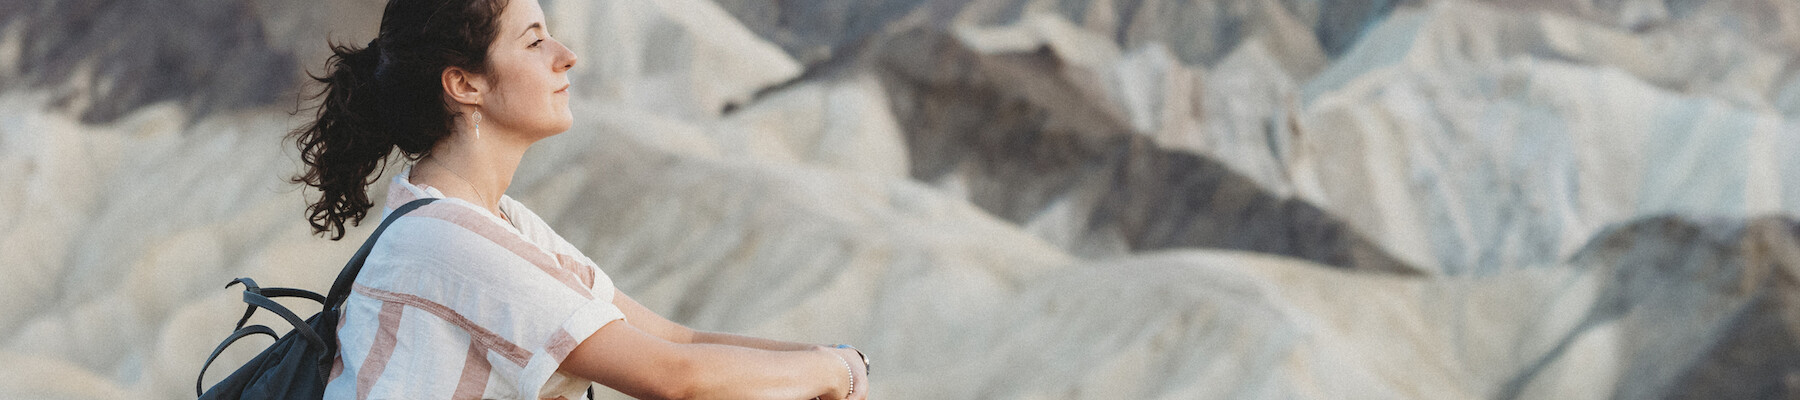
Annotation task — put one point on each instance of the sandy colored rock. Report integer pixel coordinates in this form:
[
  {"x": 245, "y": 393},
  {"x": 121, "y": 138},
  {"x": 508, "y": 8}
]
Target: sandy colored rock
[{"x": 999, "y": 199}]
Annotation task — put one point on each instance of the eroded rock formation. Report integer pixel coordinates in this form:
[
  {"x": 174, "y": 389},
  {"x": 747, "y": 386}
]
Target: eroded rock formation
[{"x": 1001, "y": 199}]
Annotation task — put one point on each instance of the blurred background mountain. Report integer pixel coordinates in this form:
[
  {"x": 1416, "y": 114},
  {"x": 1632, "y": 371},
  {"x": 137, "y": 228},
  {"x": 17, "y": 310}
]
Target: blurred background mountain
[{"x": 1044, "y": 199}]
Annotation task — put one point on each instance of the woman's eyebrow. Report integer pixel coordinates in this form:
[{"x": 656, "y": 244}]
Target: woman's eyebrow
[{"x": 529, "y": 28}]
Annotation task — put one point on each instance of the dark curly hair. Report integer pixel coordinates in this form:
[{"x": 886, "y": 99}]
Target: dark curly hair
[{"x": 386, "y": 95}]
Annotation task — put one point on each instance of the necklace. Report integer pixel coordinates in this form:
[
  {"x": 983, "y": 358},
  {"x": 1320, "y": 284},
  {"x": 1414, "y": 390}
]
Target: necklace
[{"x": 478, "y": 194}]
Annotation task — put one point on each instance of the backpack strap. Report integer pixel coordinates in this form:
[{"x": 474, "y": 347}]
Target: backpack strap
[
  {"x": 250, "y": 288},
  {"x": 241, "y": 333},
  {"x": 300, "y": 325},
  {"x": 273, "y": 292},
  {"x": 340, "y": 288}
]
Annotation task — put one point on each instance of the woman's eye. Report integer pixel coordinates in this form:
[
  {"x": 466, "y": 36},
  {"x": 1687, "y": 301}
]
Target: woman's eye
[{"x": 535, "y": 43}]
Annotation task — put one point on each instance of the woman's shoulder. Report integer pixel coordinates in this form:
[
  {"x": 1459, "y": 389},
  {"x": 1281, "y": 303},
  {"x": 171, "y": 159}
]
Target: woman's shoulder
[
  {"x": 532, "y": 226},
  {"x": 437, "y": 242},
  {"x": 444, "y": 223}
]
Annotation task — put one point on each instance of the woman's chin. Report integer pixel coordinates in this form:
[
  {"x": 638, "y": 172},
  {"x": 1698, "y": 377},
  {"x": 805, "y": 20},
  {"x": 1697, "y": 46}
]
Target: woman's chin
[
  {"x": 562, "y": 120},
  {"x": 560, "y": 127},
  {"x": 544, "y": 130}
]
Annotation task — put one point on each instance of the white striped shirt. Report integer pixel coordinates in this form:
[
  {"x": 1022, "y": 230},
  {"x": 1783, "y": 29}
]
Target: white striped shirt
[{"x": 454, "y": 302}]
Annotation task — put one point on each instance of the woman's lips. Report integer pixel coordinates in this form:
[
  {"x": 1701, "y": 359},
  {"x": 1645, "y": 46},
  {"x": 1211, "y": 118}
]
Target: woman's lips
[{"x": 565, "y": 89}]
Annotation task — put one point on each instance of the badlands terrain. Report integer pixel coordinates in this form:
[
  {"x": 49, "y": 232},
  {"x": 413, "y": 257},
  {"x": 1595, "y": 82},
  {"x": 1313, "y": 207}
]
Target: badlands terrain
[{"x": 998, "y": 199}]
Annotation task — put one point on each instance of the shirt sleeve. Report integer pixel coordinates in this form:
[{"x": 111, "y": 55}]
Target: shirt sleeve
[{"x": 524, "y": 305}]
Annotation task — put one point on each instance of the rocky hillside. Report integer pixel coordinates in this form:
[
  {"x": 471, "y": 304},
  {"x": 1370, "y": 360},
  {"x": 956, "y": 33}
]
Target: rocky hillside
[{"x": 1427, "y": 199}]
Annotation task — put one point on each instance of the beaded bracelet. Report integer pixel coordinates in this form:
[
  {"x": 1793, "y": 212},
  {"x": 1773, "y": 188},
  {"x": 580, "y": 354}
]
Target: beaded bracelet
[
  {"x": 859, "y": 353},
  {"x": 850, "y": 372}
]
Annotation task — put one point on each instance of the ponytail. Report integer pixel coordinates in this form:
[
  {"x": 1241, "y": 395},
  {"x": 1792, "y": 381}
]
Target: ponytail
[
  {"x": 387, "y": 95},
  {"x": 346, "y": 143}
]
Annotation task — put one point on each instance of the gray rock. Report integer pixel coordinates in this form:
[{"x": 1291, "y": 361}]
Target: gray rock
[
  {"x": 813, "y": 31},
  {"x": 1198, "y": 32},
  {"x": 1020, "y": 142},
  {"x": 106, "y": 58},
  {"x": 1705, "y": 308}
]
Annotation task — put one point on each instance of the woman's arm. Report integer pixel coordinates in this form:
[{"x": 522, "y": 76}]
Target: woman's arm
[
  {"x": 642, "y": 365},
  {"x": 655, "y": 324},
  {"x": 750, "y": 341}
]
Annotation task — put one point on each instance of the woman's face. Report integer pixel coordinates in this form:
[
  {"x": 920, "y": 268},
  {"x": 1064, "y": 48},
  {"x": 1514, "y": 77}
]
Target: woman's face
[{"x": 528, "y": 83}]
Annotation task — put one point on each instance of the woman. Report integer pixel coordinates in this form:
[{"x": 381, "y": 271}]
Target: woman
[{"x": 475, "y": 296}]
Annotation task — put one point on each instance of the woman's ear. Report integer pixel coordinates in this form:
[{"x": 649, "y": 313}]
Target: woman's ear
[{"x": 463, "y": 87}]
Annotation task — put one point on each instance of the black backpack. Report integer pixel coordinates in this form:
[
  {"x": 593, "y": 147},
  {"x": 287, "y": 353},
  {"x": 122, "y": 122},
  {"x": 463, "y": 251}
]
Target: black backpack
[{"x": 297, "y": 365}]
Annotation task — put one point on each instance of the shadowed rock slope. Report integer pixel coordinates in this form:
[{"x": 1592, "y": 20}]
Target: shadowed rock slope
[
  {"x": 1022, "y": 137},
  {"x": 1736, "y": 282},
  {"x": 1035, "y": 133}
]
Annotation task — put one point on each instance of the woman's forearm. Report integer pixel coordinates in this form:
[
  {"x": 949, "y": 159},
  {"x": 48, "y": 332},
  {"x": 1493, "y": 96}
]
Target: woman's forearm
[
  {"x": 710, "y": 364},
  {"x": 849, "y": 358},
  {"x": 704, "y": 337},
  {"x": 722, "y": 371},
  {"x": 642, "y": 365},
  {"x": 651, "y": 322}
]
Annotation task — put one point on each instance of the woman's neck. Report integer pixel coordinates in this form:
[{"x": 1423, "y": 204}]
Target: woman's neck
[{"x": 478, "y": 171}]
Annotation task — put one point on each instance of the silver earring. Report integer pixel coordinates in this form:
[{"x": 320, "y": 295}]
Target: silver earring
[{"x": 477, "y": 118}]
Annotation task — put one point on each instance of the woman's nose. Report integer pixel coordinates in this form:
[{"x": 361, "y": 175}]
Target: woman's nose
[{"x": 567, "y": 59}]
